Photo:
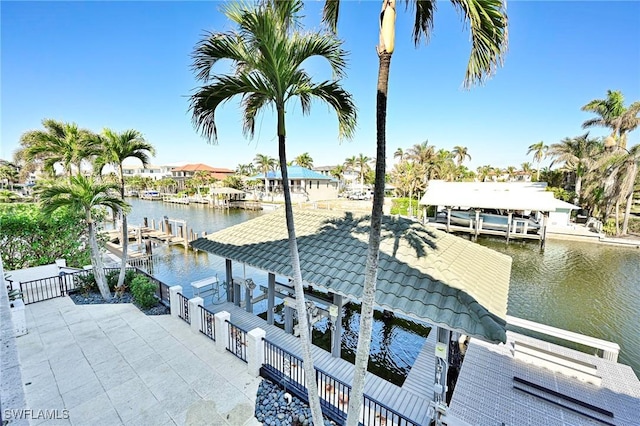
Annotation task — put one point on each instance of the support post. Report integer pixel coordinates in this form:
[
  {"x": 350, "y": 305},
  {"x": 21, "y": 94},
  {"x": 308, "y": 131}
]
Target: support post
[
  {"x": 255, "y": 351},
  {"x": 271, "y": 298},
  {"x": 222, "y": 331},
  {"x": 336, "y": 332},
  {"x": 543, "y": 235},
  {"x": 509, "y": 217},
  {"x": 194, "y": 314},
  {"x": 145, "y": 222},
  {"x": 174, "y": 303},
  {"x": 477, "y": 225},
  {"x": 288, "y": 319},
  {"x": 448, "y": 219},
  {"x": 228, "y": 279},
  {"x": 248, "y": 298},
  {"x": 237, "y": 295},
  {"x": 443, "y": 338}
]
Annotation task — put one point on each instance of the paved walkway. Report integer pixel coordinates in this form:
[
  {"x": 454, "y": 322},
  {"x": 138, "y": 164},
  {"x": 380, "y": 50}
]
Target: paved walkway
[{"x": 113, "y": 365}]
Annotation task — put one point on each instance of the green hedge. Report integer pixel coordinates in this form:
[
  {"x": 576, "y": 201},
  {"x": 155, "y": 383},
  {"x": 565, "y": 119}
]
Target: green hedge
[
  {"x": 29, "y": 238},
  {"x": 401, "y": 206},
  {"x": 143, "y": 292}
]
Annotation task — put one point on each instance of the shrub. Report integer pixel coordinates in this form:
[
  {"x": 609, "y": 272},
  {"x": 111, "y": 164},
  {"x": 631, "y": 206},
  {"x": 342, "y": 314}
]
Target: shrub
[
  {"x": 86, "y": 283},
  {"x": 143, "y": 292},
  {"x": 401, "y": 206}
]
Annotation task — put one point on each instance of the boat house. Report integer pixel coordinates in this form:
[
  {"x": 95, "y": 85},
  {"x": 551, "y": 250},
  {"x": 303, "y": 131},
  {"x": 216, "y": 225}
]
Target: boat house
[
  {"x": 525, "y": 209},
  {"x": 459, "y": 287}
]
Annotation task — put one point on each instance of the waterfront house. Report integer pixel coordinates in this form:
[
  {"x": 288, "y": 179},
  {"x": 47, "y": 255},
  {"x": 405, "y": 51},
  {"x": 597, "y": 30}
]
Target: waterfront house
[
  {"x": 305, "y": 184},
  {"x": 149, "y": 171},
  {"x": 181, "y": 174}
]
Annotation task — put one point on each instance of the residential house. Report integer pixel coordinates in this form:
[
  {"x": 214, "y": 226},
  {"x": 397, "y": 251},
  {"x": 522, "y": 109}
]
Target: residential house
[
  {"x": 181, "y": 174},
  {"x": 305, "y": 184}
]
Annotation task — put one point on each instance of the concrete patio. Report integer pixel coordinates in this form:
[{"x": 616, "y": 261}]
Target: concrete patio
[{"x": 113, "y": 365}]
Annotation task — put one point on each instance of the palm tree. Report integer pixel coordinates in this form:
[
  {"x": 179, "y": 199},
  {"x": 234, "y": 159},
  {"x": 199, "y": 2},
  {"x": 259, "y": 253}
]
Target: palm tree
[
  {"x": 268, "y": 53},
  {"x": 487, "y": 21},
  {"x": 511, "y": 171},
  {"x": 246, "y": 169},
  {"x": 613, "y": 114},
  {"x": 576, "y": 155},
  {"x": 423, "y": 154},
  {"x": 539, "y": 151},
  {"x": 304, "y": 160},
  {"x": 84, "y": 195},
  {"x": 460, "y": 153},
  {"x": 399, "y": 154},
  {"x": 338, "y": 173},
  {"x": 8, "y": 173},
  {"x": 265, "y": 164},
  {"x": 60, "y": 143},
  {"x": 115, "y": 148},
  {"x": 362, "y": 164}
]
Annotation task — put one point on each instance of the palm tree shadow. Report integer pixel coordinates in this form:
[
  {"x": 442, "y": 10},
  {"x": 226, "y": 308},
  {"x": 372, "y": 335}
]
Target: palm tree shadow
[{"x": 397, "y": 229}]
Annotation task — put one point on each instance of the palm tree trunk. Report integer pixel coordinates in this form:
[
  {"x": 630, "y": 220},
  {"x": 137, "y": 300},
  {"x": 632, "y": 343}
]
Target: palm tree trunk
[
  {"x": 125, "y": 238},
  {"x": 578, "y": 187},
  {"x": 96, "y": 261},
  {"x": 371, "y": 271},
  {"x": 303, "y": 323}
]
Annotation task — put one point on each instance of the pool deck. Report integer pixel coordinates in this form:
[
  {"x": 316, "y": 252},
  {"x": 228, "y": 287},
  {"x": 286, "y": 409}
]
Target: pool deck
[{"x": 113, "y": 365}]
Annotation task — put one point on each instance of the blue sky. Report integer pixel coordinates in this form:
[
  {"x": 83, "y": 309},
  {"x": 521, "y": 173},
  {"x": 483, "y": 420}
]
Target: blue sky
[{"x": 126, "y": 65}]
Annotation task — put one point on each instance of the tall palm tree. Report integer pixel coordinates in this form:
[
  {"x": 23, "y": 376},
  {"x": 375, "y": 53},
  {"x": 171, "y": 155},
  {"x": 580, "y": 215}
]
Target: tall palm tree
[
  {"x": 539, "y": 151},
  {"x": 265, "y": 164},
  {"x": 423, "y": 154},
  {"x": 487, "y": 22},
  {"x": 9, "y": 173},
  {"x": 612, "y": 113},
  {"x": 85, "y": 195},
  {"x": 460, "y": 153},
  {"x": 576, "y": 155},
  {"x": 304, "y": 160},
  {"x": 362, "y": 164},
  {"x": 60, "y": 143},
  {"x": 268, "y": 53},
  {"x": 115, "y": 148}
]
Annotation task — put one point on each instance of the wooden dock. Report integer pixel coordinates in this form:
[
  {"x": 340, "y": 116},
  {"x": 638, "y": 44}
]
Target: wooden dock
[
  {"x": 483, "y": 231},
  {"x": 411, "y": 400}
]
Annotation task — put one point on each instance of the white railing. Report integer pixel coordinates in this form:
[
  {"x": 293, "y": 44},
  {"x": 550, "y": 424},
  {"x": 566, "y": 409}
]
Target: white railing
[{"x": 610, "y": 350}]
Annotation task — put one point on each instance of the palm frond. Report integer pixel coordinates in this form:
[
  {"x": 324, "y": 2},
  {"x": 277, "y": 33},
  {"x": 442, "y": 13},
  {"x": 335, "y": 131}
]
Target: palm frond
[
  {"x": 213, "y": 48},
  {"x": 252, "y": 104},
  {"x": 423, "y": 20},
  {"x": 487, "y": 21},
  {"x": 323, "y": 45},
  {"x": 341, "y": 101},
  {"x": 330, "y": 14}
]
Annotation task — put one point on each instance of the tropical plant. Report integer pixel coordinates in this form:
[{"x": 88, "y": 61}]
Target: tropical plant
[
  {"x": 268, "y": 53},
  {"x": 304, "y": 160},
  {"x": 60, "y": 143},
  {"x": 576, "y": 155},
  {"x": 166, "y": 184},
  {"x": 399, "y": 154},
  {"x": 612, "y": 113},
  {"x": 338, "y": 173},
  {"x": 233, "y": 182},
  {"x": 246, "y": 169},
  {"x": 8, "y": 174},
  {"x": 362, "y": 164},
  {"x": 487, "y": 21},
  {"x": 115, "y": 148},
  {"x": 460, "y": 153},
  {"x": 84, "y": 195},
  {"x": 539, "y": 151},
  {"x": 265, "y": 164}
]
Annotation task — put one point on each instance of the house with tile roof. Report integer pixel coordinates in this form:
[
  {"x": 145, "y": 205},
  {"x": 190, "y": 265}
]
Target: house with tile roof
[
  {"x": 305, "y": 184},
  {"x": 181, "y": 174}
]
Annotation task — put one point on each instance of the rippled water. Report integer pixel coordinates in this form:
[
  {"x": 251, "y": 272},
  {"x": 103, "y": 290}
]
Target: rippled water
[{"x": 586, "y": 288}]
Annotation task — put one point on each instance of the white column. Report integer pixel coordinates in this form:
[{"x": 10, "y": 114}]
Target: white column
[
  {"x": 255, "y": 351},
  {"x": 222, "y": 330},
  {"x": 194, "y": 313},
  {"x": 174, "y": 303}
]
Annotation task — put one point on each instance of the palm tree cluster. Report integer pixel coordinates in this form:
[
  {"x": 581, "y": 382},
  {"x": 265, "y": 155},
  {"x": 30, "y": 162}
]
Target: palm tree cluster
[
  {"x": 67, "y": 147},
  {"x": 603, "y": 171}
]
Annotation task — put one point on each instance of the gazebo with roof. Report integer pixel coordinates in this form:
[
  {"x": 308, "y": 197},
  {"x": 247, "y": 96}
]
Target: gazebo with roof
[{"x": 424, "y": 274}]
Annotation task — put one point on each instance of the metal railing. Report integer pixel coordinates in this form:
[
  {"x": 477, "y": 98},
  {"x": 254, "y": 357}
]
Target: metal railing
[
  {"x": 183, "y": 304},
  {"x": 286, "y": 369},
  {"x": 237, "y": 342},
  {"x": 162, "y": 291},
  {"x": 207, "y": 323}
]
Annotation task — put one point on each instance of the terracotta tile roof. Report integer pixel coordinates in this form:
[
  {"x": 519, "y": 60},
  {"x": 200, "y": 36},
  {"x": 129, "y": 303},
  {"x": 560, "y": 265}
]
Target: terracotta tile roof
[
  {"x": 423, "y": 273},
  {"x": 200, "y": 166}
]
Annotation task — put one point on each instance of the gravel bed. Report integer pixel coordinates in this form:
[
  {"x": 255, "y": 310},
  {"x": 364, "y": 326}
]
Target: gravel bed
[
  {"x": 96, "y": 299},
  {"x": 274, "y": 409}
]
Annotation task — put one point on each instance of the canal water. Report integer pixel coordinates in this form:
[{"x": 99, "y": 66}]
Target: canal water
[{"x": 586, "y": 288}]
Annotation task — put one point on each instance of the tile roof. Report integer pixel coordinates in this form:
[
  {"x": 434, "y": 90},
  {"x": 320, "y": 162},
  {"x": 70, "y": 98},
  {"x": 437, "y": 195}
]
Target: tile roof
[
  {"x": 423, "y": 273},
  {"x": 200, "y": 166},
  {"x": 295, "y": 172}
]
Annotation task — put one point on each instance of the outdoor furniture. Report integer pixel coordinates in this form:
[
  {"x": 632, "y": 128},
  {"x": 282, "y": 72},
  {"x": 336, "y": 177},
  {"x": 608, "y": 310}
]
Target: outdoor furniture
[{"x": 205, "y": 287}]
